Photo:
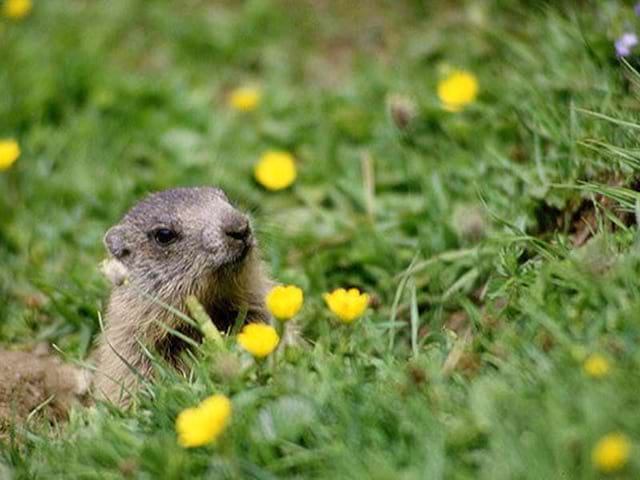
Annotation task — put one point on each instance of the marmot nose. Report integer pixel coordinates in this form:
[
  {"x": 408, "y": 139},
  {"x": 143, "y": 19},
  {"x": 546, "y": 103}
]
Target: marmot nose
[{"x": 238, "y": 229}]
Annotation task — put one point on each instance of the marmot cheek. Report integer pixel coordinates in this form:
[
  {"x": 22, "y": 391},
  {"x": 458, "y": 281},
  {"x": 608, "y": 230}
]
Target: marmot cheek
[{"x": 211, "y": 240}]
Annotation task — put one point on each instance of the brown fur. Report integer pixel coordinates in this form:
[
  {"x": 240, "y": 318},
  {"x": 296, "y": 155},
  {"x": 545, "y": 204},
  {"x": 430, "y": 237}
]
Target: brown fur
[{"x": 207, "y": 260}]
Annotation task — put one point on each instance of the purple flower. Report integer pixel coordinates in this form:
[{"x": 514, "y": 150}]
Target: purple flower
[
  {"x": 625, "y": 43},
  {"x": 637, "y": 9}
]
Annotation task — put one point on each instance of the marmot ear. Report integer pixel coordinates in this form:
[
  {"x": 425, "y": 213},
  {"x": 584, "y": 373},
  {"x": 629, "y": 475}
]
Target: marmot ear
[{"x": 114, "y": 240}]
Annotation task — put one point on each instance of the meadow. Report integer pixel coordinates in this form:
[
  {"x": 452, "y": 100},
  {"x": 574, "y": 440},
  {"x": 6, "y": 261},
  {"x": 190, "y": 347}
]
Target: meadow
[{"x": 496, "y": 239}]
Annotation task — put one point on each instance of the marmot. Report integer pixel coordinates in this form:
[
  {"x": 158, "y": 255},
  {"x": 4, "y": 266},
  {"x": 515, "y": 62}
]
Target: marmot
[{"x": 173, "y": 244}]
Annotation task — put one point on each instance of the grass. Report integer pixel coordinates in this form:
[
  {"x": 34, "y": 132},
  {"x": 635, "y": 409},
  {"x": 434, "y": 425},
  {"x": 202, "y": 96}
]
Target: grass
[{"x": 469, "y": 364}]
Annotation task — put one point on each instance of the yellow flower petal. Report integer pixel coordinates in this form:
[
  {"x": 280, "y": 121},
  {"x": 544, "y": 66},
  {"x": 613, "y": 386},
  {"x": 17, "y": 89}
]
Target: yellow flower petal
[
  {"x": 284, "y": 302},
  {"x": 347, "y": 305},
  {"x": 611, "y": 452},
  {"x": 9, "y": 153},
  {"x": 259, "y": 339},
  {"x": 203, "y": 424},
  {"x": 457, "y": 90},
  {"x": 17, "y": 9},
  {"x": 275, "y": 170},
  {"x": 596, "y": 366},
  {"x": 245, "y": 99}
]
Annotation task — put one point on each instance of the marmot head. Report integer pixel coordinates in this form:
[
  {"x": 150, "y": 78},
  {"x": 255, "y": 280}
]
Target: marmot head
[{"x": 181, "y": 241}]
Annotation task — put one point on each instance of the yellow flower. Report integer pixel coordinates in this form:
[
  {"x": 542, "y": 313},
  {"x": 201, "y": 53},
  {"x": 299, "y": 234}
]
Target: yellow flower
[
  {"x": 259, "y": 339},
  {"x": 611, "y": 452},
  {"x": 275, "y": 170},
  {"x": 9, "y": 153},
  {"x": 245, "y": 99},
  {"x": 347, "y": 304},
  {"x": 458, "y": 89},
  {"x": 596, "y": 366},
  {"x": 17, "y": 9},
  {"x": 285, "y": 302},
  {"x": 203, "y": 424}
]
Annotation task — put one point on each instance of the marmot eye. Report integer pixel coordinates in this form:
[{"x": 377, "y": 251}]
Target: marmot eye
[{"x": 164, "y": 236}]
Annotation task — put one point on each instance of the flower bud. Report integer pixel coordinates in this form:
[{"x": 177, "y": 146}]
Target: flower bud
[
  {"x": 402, "y": 110},
  {"x": 115, "y": 271}
]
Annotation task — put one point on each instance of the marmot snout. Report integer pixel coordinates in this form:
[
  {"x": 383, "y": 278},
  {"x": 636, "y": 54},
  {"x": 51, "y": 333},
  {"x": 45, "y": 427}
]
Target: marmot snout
[{"x": 175, "y": 243}]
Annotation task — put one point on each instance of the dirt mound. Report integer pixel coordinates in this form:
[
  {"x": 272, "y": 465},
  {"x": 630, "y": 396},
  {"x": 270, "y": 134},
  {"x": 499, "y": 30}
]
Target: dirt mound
[{"x": 39, "y": 383}]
